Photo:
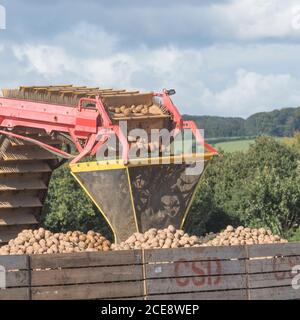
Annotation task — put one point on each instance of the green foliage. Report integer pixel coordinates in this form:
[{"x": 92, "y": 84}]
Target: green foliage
[
  {"x": 257, "y": 188},
  {"x": 279, "y": 123},
  {"x": 271, "y": 201},
  {"x": 294, "y": 235},
  {"x": 67, "y": 207}
]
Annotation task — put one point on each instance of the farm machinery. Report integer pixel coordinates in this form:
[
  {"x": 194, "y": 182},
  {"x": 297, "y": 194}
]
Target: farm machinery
[{"x": 105, "y": 136}]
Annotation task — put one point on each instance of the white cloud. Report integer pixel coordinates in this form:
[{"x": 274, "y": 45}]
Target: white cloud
[
  {"x": 50, "y": 61},
  {"x": 258, "y": 19},
  {"x": 253, "y": 92},
  {"x": 231, "y": 80}
]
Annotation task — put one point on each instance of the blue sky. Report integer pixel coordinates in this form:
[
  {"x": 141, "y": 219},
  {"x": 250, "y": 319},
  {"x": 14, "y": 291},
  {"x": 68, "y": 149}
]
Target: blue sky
[{"x": 228, "y": 58}]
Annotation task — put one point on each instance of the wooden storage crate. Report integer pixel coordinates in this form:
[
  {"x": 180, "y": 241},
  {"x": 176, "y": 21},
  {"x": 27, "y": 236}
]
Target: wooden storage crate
[{"x": 204, "y": 273}]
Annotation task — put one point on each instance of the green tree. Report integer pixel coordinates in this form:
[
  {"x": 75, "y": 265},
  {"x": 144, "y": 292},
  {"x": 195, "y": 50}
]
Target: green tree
[
  {"x": 271, "y": 200},
  {"x": 259, "y": 187}
]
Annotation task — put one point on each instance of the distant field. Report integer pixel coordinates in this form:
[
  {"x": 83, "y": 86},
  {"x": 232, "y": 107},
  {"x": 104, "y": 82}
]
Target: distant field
[
  {"x": 231, "y": 146},
  {"x": 236, "y": 145}
]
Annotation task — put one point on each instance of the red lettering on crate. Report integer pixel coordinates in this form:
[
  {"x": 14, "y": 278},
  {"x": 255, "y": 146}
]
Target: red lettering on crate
[{"x": 199, "y": 273}]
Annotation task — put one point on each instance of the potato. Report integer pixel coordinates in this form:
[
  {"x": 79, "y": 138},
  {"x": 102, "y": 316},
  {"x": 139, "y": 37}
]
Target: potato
[
  {"x": 168, "y": 242},
  {"x": 139, "y": 108},
  {"x": 127, "y": 112},
  {"x": 38, "y": 237},
  {"x": 91, "y": 233},
  {"x": 183, "y": 241},
  {"x": 105, "y": 248},
  {"x": 47, "y": 234},
  {"x": 145, "y": 110},
  {"x": 82, "y": 237},
  {"x": 180, "y": 232},
  {"x": 229, "y": 228},
  {"x": 81, "y": 245},
  {"x": 162, "y": 236},
  {"x": 170, "y": 235}
]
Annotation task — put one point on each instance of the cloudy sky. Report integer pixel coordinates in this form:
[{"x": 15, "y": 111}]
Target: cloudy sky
[{"x": 228, "y": 58}]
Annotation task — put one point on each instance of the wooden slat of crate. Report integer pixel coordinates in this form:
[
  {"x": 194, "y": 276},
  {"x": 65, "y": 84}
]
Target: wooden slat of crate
[
  {"x": 89, "y": 291},
  {"x": 209, "y": 295},
  {"x": 195, "y": 284},
  {"x": 273, "y": 264},
  {"x": 195, "y": 268},
  {"x": 87, "y": 259},
  {"x": 15, "y": 294},
  {"x": 19, "y": 262},
  {"x": 131, "y": 298},
  {"x": 17, "y": 279},
  {"x": 195, "y": 254},
  {"x": 272, "y": 250},
  {"x": 272, "y": 279},
  {"x": 274, "y": 293},
  {"x": 86, "y": 275}
]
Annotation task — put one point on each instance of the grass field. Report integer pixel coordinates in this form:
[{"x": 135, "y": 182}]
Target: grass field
[
  {"x": 231, "y": 146},
  {"x": 236, "y": 145}
]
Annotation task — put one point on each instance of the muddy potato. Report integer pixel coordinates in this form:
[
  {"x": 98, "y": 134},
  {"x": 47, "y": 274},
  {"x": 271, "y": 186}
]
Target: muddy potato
[
  {"x": 47, "y": 234},
  {"x": 91, "y": 233},
  {"x": 162, "y": 236},
  {"x": 38, "y": 237},
  {"x": 139, "y": 108},
  {"x": 170, "y": 235},
  {"x": 82, "y": 237},
  {"x": 145, "y": 110},
  {"x": 127, "y": 112}
]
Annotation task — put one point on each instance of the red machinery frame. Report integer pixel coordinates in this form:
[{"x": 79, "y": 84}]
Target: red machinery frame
[{"x": 88, "y": 128}]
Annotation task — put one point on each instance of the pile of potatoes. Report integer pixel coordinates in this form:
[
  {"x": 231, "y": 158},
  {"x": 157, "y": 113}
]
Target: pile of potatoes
[
  {"x": 125, "y": 111},
  {"x": 155, "y": 239},
  {"x": 42, "y": 241},
  {"x": 244, "y": 236}
]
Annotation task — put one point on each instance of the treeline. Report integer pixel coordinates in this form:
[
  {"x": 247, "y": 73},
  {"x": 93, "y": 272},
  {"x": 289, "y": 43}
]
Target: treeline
[{"x": 280, "y": 123}]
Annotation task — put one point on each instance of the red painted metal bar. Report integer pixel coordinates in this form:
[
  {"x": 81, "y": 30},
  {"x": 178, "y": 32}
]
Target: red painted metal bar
[
  {"x": 89, "y": 146},
  {"x": 180, "y": 124},
  {"x": 200, "y": 139},
  {"x": 168, "y": 103},
  {"x": 47, "y": 116}
]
